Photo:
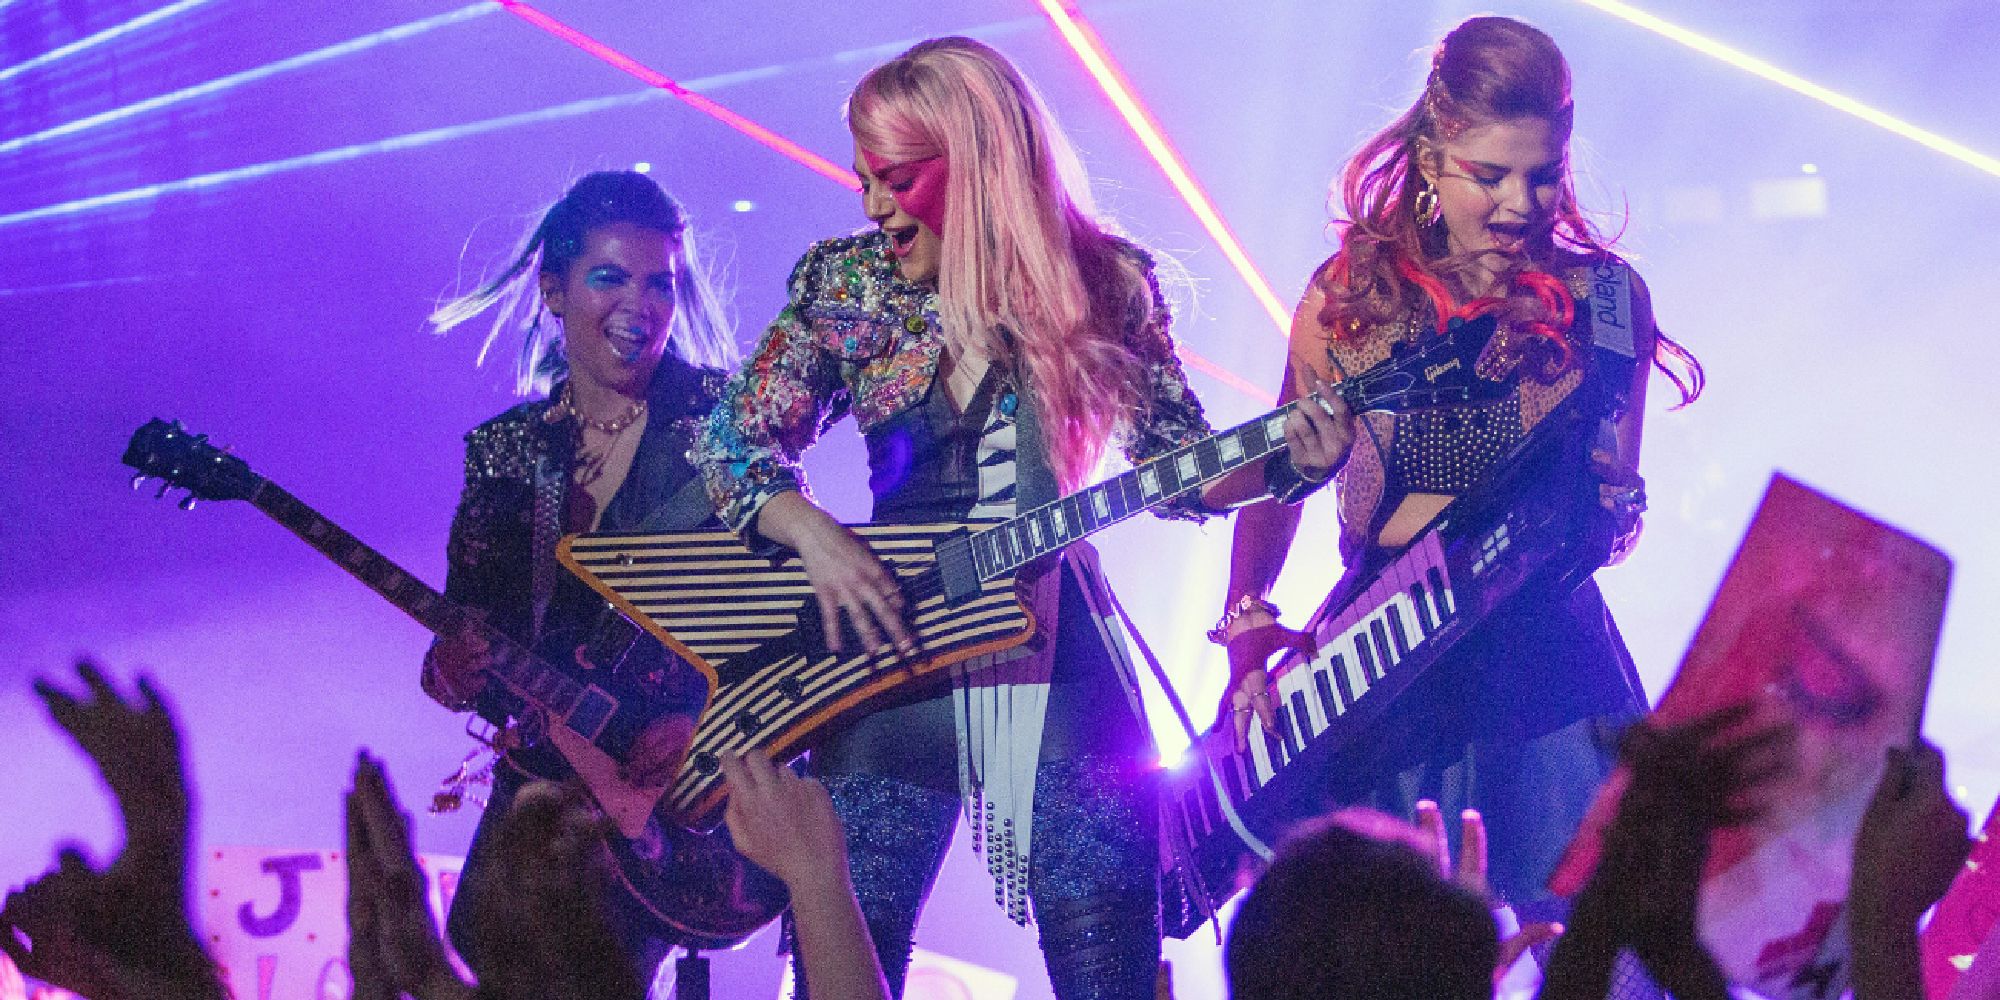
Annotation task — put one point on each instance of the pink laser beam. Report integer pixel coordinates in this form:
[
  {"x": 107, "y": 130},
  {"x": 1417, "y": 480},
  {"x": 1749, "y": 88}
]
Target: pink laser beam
[
  {"x": 1083, "y": 40},
  {"x": 654, "y": 78},
  {"x": 813, "y": 161}
]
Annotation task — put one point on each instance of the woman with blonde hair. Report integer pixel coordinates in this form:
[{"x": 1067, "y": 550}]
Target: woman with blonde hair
[
  {"x": 990, "y": 337},
  {"x": 1464, "y": 207}
]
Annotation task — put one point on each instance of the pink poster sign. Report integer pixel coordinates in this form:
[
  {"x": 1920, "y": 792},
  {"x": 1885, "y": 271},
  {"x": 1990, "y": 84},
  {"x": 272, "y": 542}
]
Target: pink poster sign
[
  {"x": 276, "y": 920},
  {"x": 1830, "y": 618}
]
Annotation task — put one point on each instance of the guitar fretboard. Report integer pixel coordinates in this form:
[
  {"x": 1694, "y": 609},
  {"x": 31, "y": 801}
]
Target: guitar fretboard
[
  {"x": 513, "y": 665},
  {"x": 1008, "y": 546}
]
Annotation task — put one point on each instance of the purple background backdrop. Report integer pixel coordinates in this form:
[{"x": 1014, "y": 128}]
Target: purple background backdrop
[{"x": 312, "y": 205}]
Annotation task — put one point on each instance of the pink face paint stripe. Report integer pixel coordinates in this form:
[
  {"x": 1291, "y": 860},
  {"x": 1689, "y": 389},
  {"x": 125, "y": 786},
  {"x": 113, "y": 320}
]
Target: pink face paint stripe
[
  {"x": 924, "y": 200},
  {"x": 654, "y": 78}
]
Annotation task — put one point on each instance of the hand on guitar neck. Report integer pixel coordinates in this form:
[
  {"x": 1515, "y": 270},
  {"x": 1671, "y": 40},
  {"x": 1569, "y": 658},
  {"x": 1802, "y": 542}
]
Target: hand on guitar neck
[
  {"x": 455, "y": 668},
  {"x": 849, "y": 581},
  {"x": 1317, "y": 440}
]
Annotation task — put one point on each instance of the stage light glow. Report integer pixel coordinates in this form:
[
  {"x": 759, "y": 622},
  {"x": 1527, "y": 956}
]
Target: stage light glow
[
  {"x": 414, "y": 140},
  {"x": 1083, "y": 40},
  {"x": 91, "y": 41},
  {"x": 654, "y": 78},
  {"x": 743, "y": 205},
  {"x": 847, "y": 179},
  {"x": 234, "y": 80},
  {"x": 1791, "y": 81},
  {"x": 642, "y": 167}
]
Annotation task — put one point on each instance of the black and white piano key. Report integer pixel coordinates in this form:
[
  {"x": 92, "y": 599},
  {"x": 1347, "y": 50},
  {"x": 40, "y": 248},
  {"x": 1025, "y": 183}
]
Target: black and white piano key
[{"x": 1329, "y": 702}]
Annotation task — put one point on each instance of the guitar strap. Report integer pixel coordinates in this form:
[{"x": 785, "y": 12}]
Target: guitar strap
[
  {"x": 687, "y": 509},
  {"x": 1614, "y": 340}
]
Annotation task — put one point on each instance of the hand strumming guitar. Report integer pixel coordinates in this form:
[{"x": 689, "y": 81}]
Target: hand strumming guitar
[{"x": 849, "y": 581}]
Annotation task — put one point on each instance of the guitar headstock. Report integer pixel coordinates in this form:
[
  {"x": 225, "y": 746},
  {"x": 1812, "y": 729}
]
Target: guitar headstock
[
  {"x": 183, "y": 459},
  {"x": 1430, "y": 370}
]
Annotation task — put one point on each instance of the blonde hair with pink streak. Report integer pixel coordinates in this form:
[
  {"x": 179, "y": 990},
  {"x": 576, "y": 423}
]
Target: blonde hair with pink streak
[{"x": 1027, "y": 277}]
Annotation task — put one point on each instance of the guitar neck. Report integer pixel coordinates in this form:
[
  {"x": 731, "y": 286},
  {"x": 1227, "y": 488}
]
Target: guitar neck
[
  {"x": 522, "y": 672},
  {"x": 1008, "y": 546},
  {"x": 416, "y": 598}
]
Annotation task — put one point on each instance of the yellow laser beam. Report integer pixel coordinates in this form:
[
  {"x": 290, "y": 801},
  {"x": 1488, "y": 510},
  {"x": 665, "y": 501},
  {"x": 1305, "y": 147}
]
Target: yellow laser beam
[{"x": 1792, "y": 81}]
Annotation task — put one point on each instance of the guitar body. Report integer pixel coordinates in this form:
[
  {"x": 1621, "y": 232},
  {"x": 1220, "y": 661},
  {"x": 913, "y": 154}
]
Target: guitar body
[
  {"x": 701, "y": 893},
  {"x": 752, "y": 626}
]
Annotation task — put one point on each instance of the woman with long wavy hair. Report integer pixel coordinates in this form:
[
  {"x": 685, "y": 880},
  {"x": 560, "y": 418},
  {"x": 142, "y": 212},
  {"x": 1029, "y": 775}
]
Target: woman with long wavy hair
[
  {"x": 1464, "y": 206},
  {"x": 990, "y": 337}
]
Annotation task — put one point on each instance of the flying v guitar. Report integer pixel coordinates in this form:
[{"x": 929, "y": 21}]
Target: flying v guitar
[{"x": 753, "y": 627}]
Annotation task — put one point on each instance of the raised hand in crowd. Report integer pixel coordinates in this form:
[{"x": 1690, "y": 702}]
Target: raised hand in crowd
[
  {"x": 786, "y": 825},
  {"x": 544, "y": 933},
  {"x": 1468, "y": 872},
  {"x": 1912, "y": 843},
  {"x": 123, "y": 932},
  {"x": 393, "y": 947},
  {"x": 1687, "y": 781}
]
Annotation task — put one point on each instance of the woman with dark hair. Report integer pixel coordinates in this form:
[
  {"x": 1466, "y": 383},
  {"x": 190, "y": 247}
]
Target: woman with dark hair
[
  {"x": 619, "y": 326},
  {"x": 990, "y": 337},
  {"x": 1463, "y": 207}
]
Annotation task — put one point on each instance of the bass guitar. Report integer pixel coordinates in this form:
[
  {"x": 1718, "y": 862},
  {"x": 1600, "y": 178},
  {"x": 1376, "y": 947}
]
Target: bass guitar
[
  {"x": 703, "y": 893},
  {"x": 753, "y": 627}
]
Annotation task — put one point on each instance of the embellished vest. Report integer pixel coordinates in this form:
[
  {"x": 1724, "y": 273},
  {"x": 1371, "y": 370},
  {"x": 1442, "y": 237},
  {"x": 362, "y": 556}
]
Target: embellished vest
[{"x": 1445, "y": 449}]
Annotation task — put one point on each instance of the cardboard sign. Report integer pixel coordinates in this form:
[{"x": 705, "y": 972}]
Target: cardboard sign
[
  {"x": 276, "y": 920},
  {"x": 1965, "y": 929},
  {"x": 1830, "y": 618}
]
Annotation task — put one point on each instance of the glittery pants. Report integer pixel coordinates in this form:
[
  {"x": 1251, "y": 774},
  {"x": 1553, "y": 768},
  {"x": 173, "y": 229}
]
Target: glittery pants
[{"x": 1091, "y": 872}]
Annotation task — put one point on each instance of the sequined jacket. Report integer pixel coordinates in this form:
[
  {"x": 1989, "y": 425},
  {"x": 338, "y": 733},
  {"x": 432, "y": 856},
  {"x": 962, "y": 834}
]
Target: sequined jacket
[
  {"x": 856, "y": 338},
  {"x": 501, "y": 554}
]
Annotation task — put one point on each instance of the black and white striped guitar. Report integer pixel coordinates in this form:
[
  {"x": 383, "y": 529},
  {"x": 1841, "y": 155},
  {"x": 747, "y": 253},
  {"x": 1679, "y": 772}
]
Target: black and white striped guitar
[{"x": 753, "y": 626}]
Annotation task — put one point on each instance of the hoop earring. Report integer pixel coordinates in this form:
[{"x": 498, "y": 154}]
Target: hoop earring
[{"x": 1429, "y": 209}]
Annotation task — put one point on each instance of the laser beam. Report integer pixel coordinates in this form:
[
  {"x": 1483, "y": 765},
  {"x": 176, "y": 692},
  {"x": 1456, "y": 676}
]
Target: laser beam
[
  {"x": 1791, "y": 81},
  {"x": 234, "y": 80},
  {"x": 839, "y": 175},
  {"x": 654, "y": 78},
  {"x": 64, "y": 51},
  {"x": 411, "y": 140},
  {"x": 1083, "y": 40}
]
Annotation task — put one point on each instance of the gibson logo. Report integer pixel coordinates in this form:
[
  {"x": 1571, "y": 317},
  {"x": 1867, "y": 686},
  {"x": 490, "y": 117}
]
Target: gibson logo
[{"x": 1431, "y": 374}]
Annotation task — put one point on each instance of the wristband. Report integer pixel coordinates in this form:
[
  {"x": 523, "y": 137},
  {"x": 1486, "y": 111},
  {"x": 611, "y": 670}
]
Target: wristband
[
  {"x": 1243, "y": 606},
  {"x": 1286, "y": 483}
]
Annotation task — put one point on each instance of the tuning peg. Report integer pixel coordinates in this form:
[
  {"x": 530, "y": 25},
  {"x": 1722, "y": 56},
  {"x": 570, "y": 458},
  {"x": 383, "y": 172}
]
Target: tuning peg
[
  {"x": 186, "y": 502},
  {"x": 164, "y": 487},
  {"x": 139, "y": 481}
]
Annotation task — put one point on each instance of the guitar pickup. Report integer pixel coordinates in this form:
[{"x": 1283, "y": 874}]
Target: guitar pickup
[{"x": 956, "y": 568}]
